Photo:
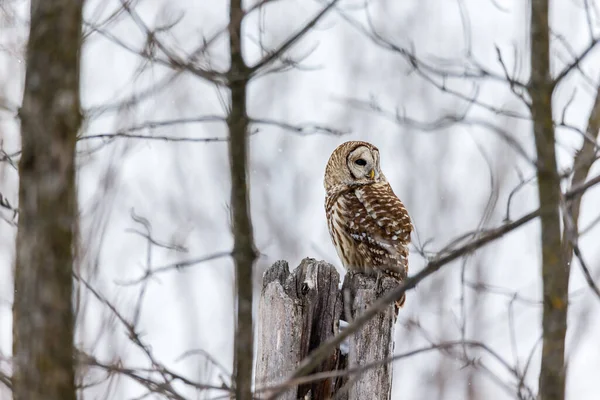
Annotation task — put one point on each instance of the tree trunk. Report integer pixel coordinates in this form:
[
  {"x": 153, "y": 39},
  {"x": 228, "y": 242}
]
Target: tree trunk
[
  {"x": 43, "y": 366},
  {"x": 555, "y": 271},
  {"x": 244, "y": 252}
]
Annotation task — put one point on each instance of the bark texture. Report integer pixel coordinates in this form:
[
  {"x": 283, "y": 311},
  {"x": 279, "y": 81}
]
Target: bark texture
[
  {"x": 244, "y": 252},
  {"x": 43, "y": 365},
  {"x": 555, "y": 269},
  {"x": 373, "y": 342},
  {"x": 299, "y": 311}
]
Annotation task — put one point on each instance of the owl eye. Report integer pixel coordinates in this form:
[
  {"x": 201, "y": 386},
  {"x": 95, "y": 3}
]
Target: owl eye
[{"x": 360, "y": 162}]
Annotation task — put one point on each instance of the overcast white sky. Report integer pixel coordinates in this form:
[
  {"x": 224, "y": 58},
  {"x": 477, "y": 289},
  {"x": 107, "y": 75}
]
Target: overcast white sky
[{"x": 443, "y": 177}]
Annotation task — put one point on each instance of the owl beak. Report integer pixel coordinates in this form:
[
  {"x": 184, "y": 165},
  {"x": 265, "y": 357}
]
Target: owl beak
[{"x": 372, "y": 174}]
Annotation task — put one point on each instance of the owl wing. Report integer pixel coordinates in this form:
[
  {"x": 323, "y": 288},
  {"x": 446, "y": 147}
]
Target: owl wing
[{"x": 381, "y": 226}]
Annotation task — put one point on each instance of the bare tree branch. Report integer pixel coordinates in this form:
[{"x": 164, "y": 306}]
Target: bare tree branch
[
  {"x": 510, "y": 80},
  {"x": 164, "y": 385},
  {"x": 473, "y": 71},
  {"x": 4, "y": 203},
  {"x": 583, "y": 161},
  {"x": 5, "y": 157},
  {"x": 278, "y": 53},
  {"x": 174, "y": 60},
  {"x": 127, "y": 133},
  {"x": 360, "y": 370},
  {"x": 319, "y": 354},
  {"x": 123, "y": 135},
  {"x": 575, "y": 64},
  {"x": 6, "y": 380},
  {"x": 176, "y": 266},
  {"x": 309, "y": 363},
  {"x": 586, "y": 271}
]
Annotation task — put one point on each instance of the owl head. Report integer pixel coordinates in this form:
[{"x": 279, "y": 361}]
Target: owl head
[{"x": 352, "y": 164}]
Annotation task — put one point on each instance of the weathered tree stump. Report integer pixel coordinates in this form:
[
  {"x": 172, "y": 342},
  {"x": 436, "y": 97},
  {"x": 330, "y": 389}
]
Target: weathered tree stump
[
  {"x": 300, "y": 310},
  {"x": 374, "y": 342}
]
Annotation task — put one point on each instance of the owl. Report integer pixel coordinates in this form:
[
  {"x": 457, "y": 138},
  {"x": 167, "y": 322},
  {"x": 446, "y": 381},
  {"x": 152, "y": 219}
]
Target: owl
[{"x": 369, "y": 226}]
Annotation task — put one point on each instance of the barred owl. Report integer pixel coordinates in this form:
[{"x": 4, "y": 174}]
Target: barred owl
[{"x": 369, "y": 226}]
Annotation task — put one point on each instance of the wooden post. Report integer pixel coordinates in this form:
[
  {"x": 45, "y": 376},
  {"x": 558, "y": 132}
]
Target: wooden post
[
  {"x": 297, "y": 312},
  {"x": 300, "y": 310},
  {"x": 374, "y": 342}
]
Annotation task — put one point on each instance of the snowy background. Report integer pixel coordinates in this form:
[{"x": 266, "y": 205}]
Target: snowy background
[{"x": 452, "y": 180}]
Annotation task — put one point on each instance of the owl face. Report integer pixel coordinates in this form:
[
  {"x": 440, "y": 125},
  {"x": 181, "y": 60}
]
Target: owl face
[{"x": 351, "y": 164}]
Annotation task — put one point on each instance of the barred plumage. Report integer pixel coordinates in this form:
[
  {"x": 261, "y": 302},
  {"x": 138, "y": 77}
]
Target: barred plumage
[{"x": 369, "y": 226}]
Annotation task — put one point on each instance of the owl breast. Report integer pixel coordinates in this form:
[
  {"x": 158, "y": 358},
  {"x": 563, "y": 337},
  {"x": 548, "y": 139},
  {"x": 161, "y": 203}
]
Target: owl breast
[
  {"x": 339, "y": 213},
  {"x": 370, "y": 229}
]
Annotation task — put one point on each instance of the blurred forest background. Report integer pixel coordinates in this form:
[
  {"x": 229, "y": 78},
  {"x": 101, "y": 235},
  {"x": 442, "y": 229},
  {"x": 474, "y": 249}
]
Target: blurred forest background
[{"x": 425, "y": 81}]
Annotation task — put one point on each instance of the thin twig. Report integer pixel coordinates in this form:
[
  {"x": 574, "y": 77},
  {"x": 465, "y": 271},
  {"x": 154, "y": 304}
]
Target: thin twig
[
  {"x": 586, "y": 271},
  {"x": 176, "y": 266},
  {"x": 276, "y": 54},
  {"x": 363, "y": 368},
  {"x": 576, "y": 62}
]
